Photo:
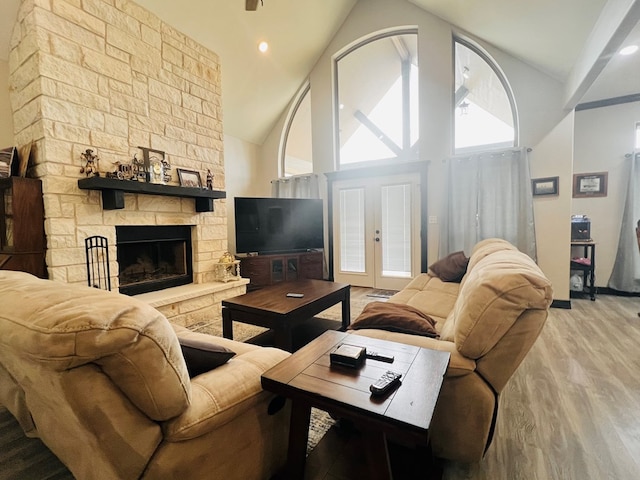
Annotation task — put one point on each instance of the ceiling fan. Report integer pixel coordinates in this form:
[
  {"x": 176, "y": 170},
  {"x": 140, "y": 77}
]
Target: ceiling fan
[{"x": 251, "y": 4}]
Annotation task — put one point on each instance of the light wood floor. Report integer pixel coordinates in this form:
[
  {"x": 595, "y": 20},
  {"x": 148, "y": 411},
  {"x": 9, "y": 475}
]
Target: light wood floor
[{"x": 571, "y": 411}]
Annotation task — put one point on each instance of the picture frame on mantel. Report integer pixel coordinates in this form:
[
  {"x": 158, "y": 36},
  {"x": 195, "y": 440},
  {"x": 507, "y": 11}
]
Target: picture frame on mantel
[
  {"x": 189, "y": 178},
  {"x": 587, "y": 185},
  {"x": 8, "y": 161},
  {"x": 544, "y": 186}
]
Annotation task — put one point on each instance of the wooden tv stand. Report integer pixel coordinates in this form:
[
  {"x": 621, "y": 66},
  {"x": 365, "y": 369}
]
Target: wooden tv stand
[{"x": 262, "y": 270}]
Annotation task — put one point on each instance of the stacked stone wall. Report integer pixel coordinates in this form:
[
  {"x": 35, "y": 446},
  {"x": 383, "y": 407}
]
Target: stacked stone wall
[{"x": 110, "y": 76}]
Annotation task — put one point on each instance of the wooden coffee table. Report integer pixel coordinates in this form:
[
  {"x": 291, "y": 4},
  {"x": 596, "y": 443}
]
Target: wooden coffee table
[
  {"x": 309, "y": 380},
  {"x": 270, "y": 307}
]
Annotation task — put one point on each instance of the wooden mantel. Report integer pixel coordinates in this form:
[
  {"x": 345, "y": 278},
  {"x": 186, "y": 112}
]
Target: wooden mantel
[{"x": 113, "y": 192}]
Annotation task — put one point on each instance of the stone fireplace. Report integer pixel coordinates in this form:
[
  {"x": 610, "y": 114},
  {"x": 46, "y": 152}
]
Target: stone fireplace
[{"x": 110, "y": 76}]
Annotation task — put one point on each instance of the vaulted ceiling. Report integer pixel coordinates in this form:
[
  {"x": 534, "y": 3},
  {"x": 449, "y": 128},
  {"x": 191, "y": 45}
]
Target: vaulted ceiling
[{"x": 551, "y": 35}]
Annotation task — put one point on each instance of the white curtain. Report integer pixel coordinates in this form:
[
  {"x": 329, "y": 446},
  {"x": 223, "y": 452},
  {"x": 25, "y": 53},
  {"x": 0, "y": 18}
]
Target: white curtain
[
  {"x": 626, "y": 269},
  {"x": 298, "y": 186},
  {"x": 487, "y": 195}
]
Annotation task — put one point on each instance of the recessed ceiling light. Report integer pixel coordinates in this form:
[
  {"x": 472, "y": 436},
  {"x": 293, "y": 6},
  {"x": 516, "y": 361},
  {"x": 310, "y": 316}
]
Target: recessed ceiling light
[
  {"x": 263, "y": 46},
  {"x": 629, "y": 50}
]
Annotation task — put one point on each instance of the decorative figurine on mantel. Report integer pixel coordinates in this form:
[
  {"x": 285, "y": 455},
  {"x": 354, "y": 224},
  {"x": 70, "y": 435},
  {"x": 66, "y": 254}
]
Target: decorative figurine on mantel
[
  {"x": 123, "y": 171},
  {"x": 90, "y": 167},
  {"x": 138, "y": 169},
  {"x": 209, "y": 180},
  {"x": 227, "y": 268}
]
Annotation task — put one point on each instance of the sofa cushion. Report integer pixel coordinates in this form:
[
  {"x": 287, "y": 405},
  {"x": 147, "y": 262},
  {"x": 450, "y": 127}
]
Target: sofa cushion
[
  {"x": 201, "y": 356},
  {"x": 500, "y": 286},
  {"x": 395, "y": 317},
  {"x": 450, "y": 268},
  {"x": 430, "y": 295},
  {"x": 61, "y": 326},
  {"x": 223, "y": 394}
]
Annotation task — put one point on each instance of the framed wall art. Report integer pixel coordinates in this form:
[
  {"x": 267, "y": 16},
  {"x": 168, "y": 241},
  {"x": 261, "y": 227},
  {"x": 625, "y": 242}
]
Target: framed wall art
[
  {"x": 189, "y": 178},
  {"x": 544, "y": 186},
  {"x": 590, "y": 185}
]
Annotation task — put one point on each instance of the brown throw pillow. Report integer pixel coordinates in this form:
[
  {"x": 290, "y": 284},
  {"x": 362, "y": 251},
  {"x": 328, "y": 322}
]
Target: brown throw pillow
[
  {"x": 395, "y": 317},
  {"x": 450, "y": 268},
  {"x": 202, "y": 356}
]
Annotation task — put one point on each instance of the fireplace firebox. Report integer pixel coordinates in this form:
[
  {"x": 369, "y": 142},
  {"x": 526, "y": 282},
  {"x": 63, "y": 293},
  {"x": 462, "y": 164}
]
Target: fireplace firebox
[{"x": 153, "y": 257}]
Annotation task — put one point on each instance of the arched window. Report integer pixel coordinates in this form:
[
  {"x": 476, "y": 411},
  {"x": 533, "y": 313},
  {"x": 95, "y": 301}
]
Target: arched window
[
  {"x": 377, "y": 100},
  {"x": 296, "y": 152},
  {"x": 485, "y": 117}
]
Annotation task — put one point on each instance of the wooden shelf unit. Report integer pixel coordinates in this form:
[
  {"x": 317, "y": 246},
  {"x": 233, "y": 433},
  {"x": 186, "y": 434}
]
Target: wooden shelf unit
[
  {"x": 262, "y": 270},
  {"x": 587, "y": 270},
  {"x": 22, "y": 238}
]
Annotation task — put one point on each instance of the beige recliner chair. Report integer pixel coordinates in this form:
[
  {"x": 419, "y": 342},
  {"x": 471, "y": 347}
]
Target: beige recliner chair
[{"x": 101, "y": 379}]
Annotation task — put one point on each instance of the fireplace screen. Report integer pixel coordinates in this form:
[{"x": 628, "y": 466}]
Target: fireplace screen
[{"x": 153, "y": 258}]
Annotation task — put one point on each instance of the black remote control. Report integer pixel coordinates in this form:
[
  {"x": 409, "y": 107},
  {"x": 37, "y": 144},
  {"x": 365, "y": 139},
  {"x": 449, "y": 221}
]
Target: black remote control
[
  {"x": 379, "y": 356},
  {"x": 385, "y": 383}
]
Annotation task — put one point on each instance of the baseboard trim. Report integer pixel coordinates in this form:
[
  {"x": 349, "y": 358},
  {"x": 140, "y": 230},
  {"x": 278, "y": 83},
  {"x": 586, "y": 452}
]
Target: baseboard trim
[
  {"x": 619, "y": 293},
  {"x": 561, "y": 304}
]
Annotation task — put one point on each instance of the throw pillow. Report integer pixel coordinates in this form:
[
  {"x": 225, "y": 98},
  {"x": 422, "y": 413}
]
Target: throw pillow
[
  {"x": 450, "y": 268},
  {"x": 395, "y": 317},
  {"x": 202, "y": 356}
]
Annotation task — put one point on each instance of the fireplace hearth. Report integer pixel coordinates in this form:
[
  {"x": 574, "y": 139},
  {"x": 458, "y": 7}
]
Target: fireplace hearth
[{"x": 153, "y": 258}]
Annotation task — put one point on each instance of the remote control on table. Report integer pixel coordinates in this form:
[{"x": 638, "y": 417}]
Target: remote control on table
[
  {"x": 295, "y": 295},
  {"x": 385, "y": 383},
  {"x": 379, "y": 356}
]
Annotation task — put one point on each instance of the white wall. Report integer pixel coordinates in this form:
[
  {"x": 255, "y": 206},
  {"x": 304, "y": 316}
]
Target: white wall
[
  {"x": 603, "y": 136},
  {"x": 241, "y": 164},
  {"x": 6, "y": 117},
  {"x": 551, "y": 157}
]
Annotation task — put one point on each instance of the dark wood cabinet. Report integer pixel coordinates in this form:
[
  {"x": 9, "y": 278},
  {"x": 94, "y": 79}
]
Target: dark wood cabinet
[
  {"x": 22, "y": 239},
  {"x": 264, "y": 270}
]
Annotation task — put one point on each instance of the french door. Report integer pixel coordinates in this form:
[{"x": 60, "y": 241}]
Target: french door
[{"x": 376, "y": 234}]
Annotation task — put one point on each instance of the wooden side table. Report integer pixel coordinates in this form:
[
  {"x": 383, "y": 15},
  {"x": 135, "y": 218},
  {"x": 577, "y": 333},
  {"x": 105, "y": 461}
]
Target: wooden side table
[{"x": 309, "y": 380}]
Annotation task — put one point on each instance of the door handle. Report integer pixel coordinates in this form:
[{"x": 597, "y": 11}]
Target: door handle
[{"x": 377, "y": 239}]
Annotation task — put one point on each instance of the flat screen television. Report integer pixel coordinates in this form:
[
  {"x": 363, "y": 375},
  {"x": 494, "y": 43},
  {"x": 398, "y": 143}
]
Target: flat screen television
[{"x": 278, "y": 225}]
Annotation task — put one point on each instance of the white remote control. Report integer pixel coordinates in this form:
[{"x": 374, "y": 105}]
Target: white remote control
[{"x": 385, "y": 383}]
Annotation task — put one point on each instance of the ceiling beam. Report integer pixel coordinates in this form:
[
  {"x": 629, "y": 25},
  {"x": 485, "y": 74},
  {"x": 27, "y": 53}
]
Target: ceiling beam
[
  {"x": 363, "y": 119},
  {"x": 617, "y": 19},
  {"x": 251, "y": 5}
]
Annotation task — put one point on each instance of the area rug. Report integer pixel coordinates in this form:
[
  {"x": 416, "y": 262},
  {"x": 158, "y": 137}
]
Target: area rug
[
  {"x": 319, "y": 425},
  {"x": 382, "y": 293}
]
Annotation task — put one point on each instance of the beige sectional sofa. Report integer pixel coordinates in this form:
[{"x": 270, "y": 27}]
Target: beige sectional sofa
[
  {"x": 488, "y": 322},
  {"x": 101, "y": 379}
]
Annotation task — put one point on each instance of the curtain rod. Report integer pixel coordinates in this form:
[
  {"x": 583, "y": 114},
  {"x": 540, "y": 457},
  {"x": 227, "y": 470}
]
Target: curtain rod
[
  {"x": 303, "y": 176},
  {"x": 491, "y": 152}
]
